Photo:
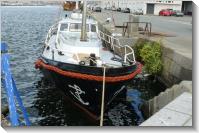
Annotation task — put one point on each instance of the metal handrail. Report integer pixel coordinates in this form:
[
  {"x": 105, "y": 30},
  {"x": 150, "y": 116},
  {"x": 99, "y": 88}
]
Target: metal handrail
[
  {"x": 114, "y": 42},
  {"x": 50, "y": 32},
  {"x": 13, "y": 95},
  {"x": 111, "y": 40},
  {"x": 58, "y": 50}
]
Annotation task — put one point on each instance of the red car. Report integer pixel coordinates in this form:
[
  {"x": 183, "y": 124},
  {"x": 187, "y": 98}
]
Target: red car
[
  {"x": 172, "y": 12},
  {"x": 165, "y": 13}
]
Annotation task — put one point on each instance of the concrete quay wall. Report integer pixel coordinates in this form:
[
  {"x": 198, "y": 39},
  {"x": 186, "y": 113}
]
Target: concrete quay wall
[
  {"x": 177, "y": 66},
  {"x": 153, "y": 105}
]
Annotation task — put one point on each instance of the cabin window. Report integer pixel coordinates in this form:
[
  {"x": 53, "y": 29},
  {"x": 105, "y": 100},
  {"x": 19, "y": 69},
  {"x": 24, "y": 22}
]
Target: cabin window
[
  {"x": 77, "y": 27},
  {"x": 93, "y": 28},
  {"x": 64, "y": 27}
]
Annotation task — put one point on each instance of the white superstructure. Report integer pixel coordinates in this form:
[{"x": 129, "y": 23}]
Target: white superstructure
[{"x": 63, "y": 44}]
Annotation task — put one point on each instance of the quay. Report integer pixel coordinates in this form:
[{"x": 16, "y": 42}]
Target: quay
[
  {"x": 176, "y": 113},
  {"x": 174, "y": 102},
  {"x": 175, "y": 34},
  {"x": 174, "y": 106}
]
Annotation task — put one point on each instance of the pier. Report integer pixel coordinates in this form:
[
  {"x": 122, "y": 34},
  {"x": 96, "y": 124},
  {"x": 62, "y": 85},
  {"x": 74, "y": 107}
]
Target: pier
[
  {"x": 176, "y": 113},
  {"x": 176, "y": 38},
  {"x": 177, "y": 62}
]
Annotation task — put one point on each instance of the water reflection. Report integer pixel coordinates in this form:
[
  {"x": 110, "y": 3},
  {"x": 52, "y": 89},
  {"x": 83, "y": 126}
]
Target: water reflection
[{"x": 54, "y": 109}]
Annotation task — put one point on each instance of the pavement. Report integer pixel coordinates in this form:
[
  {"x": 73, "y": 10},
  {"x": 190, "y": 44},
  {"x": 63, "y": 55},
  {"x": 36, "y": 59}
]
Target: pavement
[
  {"x": 176, "y": 113},
  {"x": 180, "y": 28}
]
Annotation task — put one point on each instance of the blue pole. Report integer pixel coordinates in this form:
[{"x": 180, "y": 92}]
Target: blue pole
[
  {"x": 25, "y": 114},
  {"x": 9, "y": 89},
  {"x": 4, "y": 48}
]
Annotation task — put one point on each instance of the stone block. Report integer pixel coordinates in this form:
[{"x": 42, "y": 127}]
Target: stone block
[
  {"x": 185, "y": 74},
  {"x": 175, "y": 70},
  {"x": 189, "y": 123},
  {"x": 182, "y": 104},
  {"x": 186, "y": 86},
  {"x": 167, "y": 52},
  {"x": 182, "y": 60},
  {"x": 166, "y": 117}
]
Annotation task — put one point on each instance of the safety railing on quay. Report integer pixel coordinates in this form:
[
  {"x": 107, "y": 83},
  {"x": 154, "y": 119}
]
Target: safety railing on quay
[{"x": 10, "y": 87}]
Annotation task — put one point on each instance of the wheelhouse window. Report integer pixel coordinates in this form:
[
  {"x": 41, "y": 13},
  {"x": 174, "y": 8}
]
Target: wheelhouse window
[
  {"x": 64, "y": 27},
  {"x": 76, "y": 27},
  {"x": 93, "y": 28}
]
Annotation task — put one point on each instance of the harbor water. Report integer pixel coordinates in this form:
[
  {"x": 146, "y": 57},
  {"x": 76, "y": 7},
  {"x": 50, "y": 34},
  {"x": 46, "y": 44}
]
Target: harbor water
[{"x": 24, "y": 29}]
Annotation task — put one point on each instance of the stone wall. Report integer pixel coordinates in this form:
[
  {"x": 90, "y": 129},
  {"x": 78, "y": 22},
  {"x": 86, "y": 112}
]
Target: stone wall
[
  {"x": 176, "y": 66},
  {"x": 158, "y": 102}
]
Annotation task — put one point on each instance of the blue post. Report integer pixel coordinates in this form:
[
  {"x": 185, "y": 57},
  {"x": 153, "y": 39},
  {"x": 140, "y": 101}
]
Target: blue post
[
  {"x": 25, "y": 114},
  {"x": 4, "y": 48},
  {"x": 11, "y": 90}
]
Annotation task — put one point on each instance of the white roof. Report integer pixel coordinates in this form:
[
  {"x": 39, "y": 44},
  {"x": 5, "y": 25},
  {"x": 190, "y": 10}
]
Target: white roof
[{"x": 77, "y": 18}]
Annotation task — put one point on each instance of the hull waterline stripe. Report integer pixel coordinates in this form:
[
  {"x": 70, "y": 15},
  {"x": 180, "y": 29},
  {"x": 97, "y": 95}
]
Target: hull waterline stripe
[{"x": 40, "y": 64}]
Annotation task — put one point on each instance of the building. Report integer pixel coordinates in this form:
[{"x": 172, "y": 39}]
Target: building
[
  {"x": 150, "y": 6},
  {"x": 187, "y": 7},
  {"x": 154, "y": 6}
]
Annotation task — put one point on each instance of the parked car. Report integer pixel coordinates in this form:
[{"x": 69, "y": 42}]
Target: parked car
[
  {"x": 138, "y": 12},
  {"x": 119, "y": 9},
  {"x": 164, "y": 13},
  {"x": 126, "y": 10},
  {"x": 114, "y": 9},
  {"x": 171, "y": 11},
  {"x": 97, "y": 9},
  {"x": 107, "y": 8},
  {"x": 178, "y": 13}
]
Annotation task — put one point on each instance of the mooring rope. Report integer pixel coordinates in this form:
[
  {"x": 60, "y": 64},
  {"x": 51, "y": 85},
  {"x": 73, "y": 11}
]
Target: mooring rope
[{"x": 103, "y": 92}]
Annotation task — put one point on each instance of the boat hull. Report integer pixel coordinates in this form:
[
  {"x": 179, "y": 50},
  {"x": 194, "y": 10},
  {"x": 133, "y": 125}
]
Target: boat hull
[{"x": 85, "y": 93}]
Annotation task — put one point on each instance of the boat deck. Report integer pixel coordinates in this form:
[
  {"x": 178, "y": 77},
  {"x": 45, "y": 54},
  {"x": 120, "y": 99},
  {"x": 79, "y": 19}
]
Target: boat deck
[{"x": 69, "y": 56}]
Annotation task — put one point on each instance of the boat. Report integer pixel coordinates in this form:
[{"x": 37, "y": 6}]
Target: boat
[
  {"x": 69, "y": 5},
  {"x": 82, "y": 60}
]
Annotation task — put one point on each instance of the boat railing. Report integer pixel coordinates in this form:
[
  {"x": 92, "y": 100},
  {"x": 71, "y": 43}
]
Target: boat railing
[
  {"x": 66, "y": 53},
  {"x": 125, "y": 50},
  {"x": 52, "y": 31}
]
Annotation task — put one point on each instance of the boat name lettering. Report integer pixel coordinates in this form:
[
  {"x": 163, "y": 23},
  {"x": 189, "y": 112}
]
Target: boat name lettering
[{"x": 77, "y": 93}]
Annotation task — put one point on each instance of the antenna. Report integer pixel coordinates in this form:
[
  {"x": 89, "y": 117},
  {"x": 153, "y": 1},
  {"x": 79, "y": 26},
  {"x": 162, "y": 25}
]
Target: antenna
[
  {"x": 59, "y": 13},
  {"x": 83, "y": 28}
]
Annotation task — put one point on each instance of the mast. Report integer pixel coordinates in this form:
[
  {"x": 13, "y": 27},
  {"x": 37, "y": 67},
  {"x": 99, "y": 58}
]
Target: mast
[{"x": 83, "y": 28}]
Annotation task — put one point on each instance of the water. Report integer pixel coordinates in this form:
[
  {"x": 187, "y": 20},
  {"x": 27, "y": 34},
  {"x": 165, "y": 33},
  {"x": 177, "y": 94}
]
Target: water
[{"x": 24, "y": 29}]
